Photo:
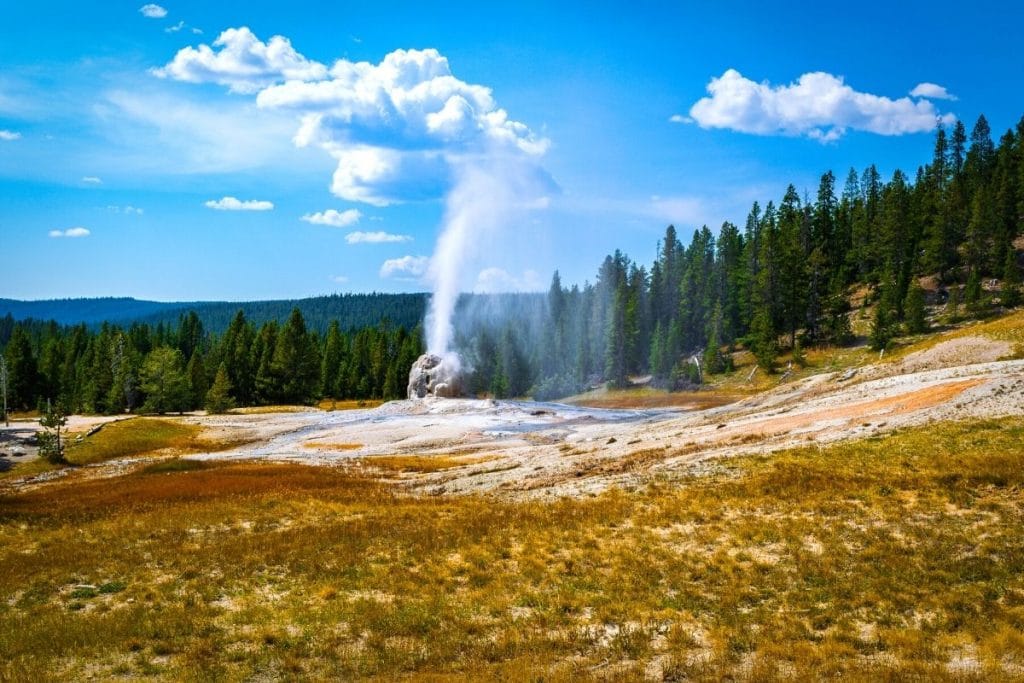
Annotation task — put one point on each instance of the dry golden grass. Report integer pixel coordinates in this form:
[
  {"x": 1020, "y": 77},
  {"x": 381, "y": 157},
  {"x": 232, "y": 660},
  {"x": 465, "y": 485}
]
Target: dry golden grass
[
  {"x": 894, "y": 558},
  {"x": 269, "y": 410},
  {"x": 338, "y": 404},
  {"x": 647, "y": 397},
  {"x": 1007, "y": 328},
  {"x": 422, "y": 463},
  {"x": 329, "y": 446}
]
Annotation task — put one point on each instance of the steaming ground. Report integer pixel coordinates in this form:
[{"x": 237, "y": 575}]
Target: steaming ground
[{"x": 515, "y": 448}]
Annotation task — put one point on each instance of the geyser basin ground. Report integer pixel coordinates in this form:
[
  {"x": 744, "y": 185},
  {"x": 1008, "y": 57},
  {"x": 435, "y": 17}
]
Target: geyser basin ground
[
  {"x": 553, "y": 449},
  {"x": 492, "y": 435}
]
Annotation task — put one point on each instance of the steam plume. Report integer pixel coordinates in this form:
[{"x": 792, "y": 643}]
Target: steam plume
[{"x": 491, "y": 192}]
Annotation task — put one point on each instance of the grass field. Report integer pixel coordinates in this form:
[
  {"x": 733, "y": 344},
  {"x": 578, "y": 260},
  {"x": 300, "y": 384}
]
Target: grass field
[{"x": 893, "y": 558}]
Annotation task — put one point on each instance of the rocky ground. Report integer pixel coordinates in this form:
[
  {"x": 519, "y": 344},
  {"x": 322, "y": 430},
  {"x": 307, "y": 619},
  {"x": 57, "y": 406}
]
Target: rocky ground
[{"x": 546, "y": 449}]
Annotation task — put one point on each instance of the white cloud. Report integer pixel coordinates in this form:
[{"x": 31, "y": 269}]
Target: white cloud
[
  {"x": 233, "y": 204},
  {"x": 818, "y": 105},
  {"x": 397, "y": 129},
  {"x": 499, "y": 280},
  {"x": 127, "y": 210},
  {"x": 154, "y": 130},
  {"x": 378, "y": 237},
  {"x": 333, "y": 218},
  {"x": 197, "y": 31},
  {"x": 339, "y": 279},
  {"x": 152, "y": 11},
  {"x": 406, "y": 267},
  {"x": 243, "y": 63},
  {"x": 679, "y": 118},
  {"x": 932, "y": 91},
  {"x": 92, "y": 180},
  {"x": 70, "y": 232},
  {"x": 175, "y": 28},
  {"x": 9, "y": 135}
]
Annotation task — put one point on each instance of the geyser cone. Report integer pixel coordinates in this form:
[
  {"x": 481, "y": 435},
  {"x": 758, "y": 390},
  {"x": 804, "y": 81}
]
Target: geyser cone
[{"x": 433, "y": 375}]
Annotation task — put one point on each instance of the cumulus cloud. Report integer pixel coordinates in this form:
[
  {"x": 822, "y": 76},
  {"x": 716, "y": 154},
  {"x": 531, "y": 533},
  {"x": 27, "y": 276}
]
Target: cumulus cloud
[
  {"x": 234, "y": 204},
  {"x": 92, "y": 180},
  {"x": 818, "y": 105},
  {"x": 9, "y": 135},
  {"x": 151, "y": 11},
  {"x": 932, "y": 91},
  {"x": 398, "y": 129},
  {"x": 499, "y": 280},
  {"x": 378, "y": 237},
  {"x": 406, "y": 267},
  {"x": 70, "y": 232},
  {"x": 333, "y": 218},
  {"x": 243, "y": 63}
]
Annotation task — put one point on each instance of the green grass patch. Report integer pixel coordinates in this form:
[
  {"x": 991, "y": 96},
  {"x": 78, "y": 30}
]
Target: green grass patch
[{"x": 141, "y": 436}]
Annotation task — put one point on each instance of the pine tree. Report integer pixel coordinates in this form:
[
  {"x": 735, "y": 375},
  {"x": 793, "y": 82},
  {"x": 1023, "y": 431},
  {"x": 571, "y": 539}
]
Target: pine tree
[
  {"x": 22, "y": 371},
  {"x": 973, "y": 291},
  {"x": 295, "y": 362},
  {"x": 331, "y": 362},
  {"x": 51, "y": 447},
  {"x": 763, "y": 340},
  {"x": 198, "y": 385},
  {"x": 1011, "y": 280},
  {"x": 218, "y": 398},
  {"x": 913, "y": 309},
  {"x": 164, "y": 382}
]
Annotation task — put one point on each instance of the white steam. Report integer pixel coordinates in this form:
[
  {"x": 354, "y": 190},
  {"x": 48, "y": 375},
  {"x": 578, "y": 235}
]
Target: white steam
[{"x": 492, "y": 192}]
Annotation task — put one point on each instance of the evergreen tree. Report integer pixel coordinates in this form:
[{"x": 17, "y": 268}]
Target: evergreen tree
[
  {"x": 1011, "y": 280},
  {"x": 53, "y": 420},
  {"x": 164, "y": 382},
  {"x": 198, "y": 384},
  {"x": 295, "y": 362},
  {"x": 22, "y": 371},
  {"x": 913, "y": 309},
  {"x": 331, "y": 363},
  {"x": 218, "y": 398}
]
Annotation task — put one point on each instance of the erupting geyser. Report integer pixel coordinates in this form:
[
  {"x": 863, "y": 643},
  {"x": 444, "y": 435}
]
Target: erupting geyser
[{"x": 433, "y": 375}]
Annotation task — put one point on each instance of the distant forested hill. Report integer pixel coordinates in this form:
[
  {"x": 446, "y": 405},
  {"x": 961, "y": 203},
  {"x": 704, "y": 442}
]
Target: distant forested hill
[{"x": 350, "y": 310}]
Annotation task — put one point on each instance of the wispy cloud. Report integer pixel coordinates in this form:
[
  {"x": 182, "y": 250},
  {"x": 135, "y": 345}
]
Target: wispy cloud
[
  {"x": 339, "y": 279},
  {"x": 679, "y": 118},
  {"x": 92, "y": 180},
  {"x": 153, "y": 11},
  {"x": 127, "y": 210},
  {"x": 70, "y": 232},
  {"x": 175, "y": 27},
  {"x": 334, "y": 218},
  {"x": 9, "y": 135},
  {"x": 932, "y": 91},
  {"x": 406, "y": 267},
  {"x": 375, "y": 237},
  {"x": 234, "y": 204},
  {"x": 499, "y": 280},
  {"x": 818, "y": 105}
]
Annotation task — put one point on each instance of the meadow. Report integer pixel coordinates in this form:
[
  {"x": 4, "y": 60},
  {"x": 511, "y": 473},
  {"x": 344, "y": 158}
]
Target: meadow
[{"x": 892, "y": 558}]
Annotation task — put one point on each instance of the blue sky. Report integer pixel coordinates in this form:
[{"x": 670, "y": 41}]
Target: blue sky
[{"x": 124, "y": 126}]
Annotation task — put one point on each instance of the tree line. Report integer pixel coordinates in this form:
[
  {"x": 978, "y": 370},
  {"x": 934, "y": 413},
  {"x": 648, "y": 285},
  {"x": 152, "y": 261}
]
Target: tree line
[
  {"x": 784, "y": 280},
  {"x": 176, "y": 368}
]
